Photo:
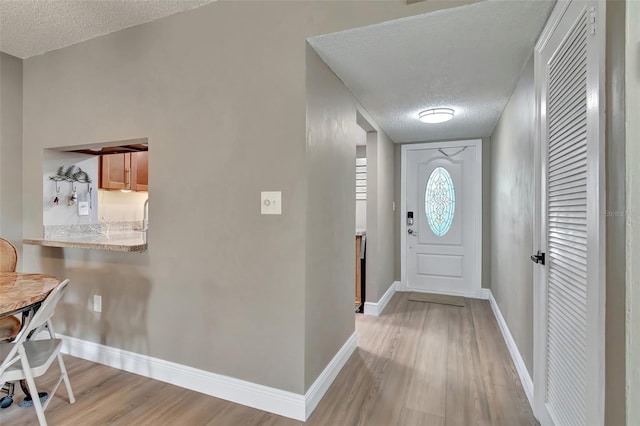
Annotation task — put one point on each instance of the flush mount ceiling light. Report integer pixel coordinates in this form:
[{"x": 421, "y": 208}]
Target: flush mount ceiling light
[{"x": 436, "y": 115}]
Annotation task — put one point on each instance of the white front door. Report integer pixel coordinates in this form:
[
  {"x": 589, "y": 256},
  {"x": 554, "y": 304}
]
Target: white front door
[
  {"x": 442, "y": 217},
  {"x": 569, "y": 296}
]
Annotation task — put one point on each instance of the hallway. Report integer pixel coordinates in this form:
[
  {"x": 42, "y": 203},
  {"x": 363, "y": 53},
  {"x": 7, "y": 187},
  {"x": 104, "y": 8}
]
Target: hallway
[
  {"x": 427, "y": 364},
  {"x": 417, "y": 364}
]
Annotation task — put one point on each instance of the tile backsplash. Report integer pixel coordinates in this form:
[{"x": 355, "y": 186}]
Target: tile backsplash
[{"x": 116, "y": 206}]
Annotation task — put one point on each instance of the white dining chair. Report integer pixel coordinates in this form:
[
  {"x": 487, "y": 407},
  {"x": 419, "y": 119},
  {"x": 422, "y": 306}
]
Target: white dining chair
[{"x": 27, "y": 359}]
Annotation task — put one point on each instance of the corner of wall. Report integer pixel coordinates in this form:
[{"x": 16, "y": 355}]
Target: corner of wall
[
  {"x": 509, "y": 177},
  {"x": 329, "y": 246},
  {"x": 615, "y": 298},
  {"x": 632, "y": 207},
  {"x": 486, "y": 212},
  {"x": 11, "y": 135},
  {"x": 397, "y": 197}
]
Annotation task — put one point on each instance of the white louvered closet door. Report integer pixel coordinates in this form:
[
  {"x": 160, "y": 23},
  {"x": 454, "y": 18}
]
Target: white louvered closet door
[{"x": 572, "y": 229}]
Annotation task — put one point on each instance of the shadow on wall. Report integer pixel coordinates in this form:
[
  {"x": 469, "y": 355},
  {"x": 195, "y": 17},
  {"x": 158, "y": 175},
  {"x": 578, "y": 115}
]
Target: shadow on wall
[{"x": 125, "y": 298}]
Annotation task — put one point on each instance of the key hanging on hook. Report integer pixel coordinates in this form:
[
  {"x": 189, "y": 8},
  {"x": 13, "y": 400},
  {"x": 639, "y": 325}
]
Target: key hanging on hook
[
  {"x": 73, "y": 197},
  {"x": 56, "y": 200}
]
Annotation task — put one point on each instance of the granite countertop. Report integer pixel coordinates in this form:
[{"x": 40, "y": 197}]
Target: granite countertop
[{"x": 112, "y": 237}]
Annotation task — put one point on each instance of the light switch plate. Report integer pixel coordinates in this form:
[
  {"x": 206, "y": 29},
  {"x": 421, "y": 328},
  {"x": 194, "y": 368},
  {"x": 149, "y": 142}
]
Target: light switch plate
[
  {"x": 271, "y": 202},
  {"x": 83, "y": 208},
  {"x": 97, "y": 303}
]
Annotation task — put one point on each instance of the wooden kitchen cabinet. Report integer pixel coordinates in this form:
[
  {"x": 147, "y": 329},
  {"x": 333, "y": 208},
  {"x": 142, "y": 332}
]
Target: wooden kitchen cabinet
[
  {"x": 140, "y": 171},
  {"x": 125, "y": 171},
  {"x": 114, "y": 171}
]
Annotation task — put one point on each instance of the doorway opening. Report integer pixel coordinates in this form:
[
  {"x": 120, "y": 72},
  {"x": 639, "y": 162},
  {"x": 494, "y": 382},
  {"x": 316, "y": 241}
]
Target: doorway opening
[{"x": 362, "y": 193}]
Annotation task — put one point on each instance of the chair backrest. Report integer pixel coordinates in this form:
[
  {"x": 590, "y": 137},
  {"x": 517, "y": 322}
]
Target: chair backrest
[
  {"x": 48, "y": 307},
  {"x": 8, "y": 256},
  {"x": 44, "y": 314}
]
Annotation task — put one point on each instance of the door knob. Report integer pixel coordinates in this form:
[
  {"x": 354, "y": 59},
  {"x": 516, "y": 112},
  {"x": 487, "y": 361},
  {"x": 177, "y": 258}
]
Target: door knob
[
  {"x": 410, "y": 231},
  {"x": 538, "y": 258}
]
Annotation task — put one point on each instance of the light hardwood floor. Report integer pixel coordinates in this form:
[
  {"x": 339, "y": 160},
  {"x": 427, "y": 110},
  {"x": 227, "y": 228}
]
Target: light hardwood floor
[{"x": 417, "y": 364}]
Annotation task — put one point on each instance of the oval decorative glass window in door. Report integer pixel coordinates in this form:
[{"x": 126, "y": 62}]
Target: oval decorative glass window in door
[{"x": 440, "y": 201}]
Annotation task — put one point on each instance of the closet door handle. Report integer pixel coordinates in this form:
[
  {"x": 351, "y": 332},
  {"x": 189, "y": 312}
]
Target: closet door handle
[{"x": 538, "y": 258}]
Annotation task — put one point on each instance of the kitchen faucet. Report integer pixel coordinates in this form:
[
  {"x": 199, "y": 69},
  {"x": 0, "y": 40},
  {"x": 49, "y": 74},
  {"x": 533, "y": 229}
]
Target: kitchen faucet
[
  {"x": 145, "y": 219},
  {"x": 145, "y": 216}
]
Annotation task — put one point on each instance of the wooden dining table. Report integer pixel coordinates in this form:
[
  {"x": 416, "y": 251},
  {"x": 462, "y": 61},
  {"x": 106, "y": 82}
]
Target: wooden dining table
[{"x": 20, "y": 291}]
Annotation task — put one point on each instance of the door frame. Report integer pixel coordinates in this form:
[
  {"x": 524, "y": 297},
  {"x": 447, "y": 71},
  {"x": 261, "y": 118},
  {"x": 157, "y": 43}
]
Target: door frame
[
  {"x": 406, "y": 148},
  {"x": 597, "y": 225}
]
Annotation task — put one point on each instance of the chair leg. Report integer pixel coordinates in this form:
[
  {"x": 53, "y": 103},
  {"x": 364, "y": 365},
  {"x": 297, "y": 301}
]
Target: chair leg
[
  {"x": 7, "y": 400},
  {"x": 65, "y": 377},
  {"x": 49, "y": 327},
  {"x": 32, "y": 388}
]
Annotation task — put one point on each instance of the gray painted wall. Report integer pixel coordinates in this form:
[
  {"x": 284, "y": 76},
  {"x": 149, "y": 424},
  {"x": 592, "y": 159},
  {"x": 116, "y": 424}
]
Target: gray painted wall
[
  {"x": 512, "y": 206},
  {"x": 331, "y": 151},
  {"x": 381, "y": 229},
  {"x": 632, "y": 310},
  {"x": 192, "y": 83},
  {"x": 615, "y": 223},
  {"x": 237, "y": 275},
  {"x": 11, "y": 151}
]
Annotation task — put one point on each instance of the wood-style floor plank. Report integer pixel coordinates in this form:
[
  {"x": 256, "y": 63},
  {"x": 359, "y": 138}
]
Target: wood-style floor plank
[
  {"x": 416, "y": 364},
  {"x": 503, "y": 388},
  {"x": 428, "y": 376}
]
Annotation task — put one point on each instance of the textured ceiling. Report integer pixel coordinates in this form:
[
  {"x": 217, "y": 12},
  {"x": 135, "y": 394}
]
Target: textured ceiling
[
  {"x": 32, "y": 27},
  {"x": 467, "y": 58}
]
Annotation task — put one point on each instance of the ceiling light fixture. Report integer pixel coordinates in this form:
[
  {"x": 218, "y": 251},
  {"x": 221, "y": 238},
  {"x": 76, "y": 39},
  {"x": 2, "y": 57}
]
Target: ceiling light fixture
[{"x": 436, "y": 115}]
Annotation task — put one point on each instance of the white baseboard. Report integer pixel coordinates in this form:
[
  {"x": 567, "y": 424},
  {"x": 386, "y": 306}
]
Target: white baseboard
[
  {"x": 265, "y": 398},
  {"x": 328, "y": 375},
  {"x": 525, "y": 378},
  {"x": 273, "y": 400},
  {"x": 485, "y": 294},
  {"x": 375, "y": 309}
]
